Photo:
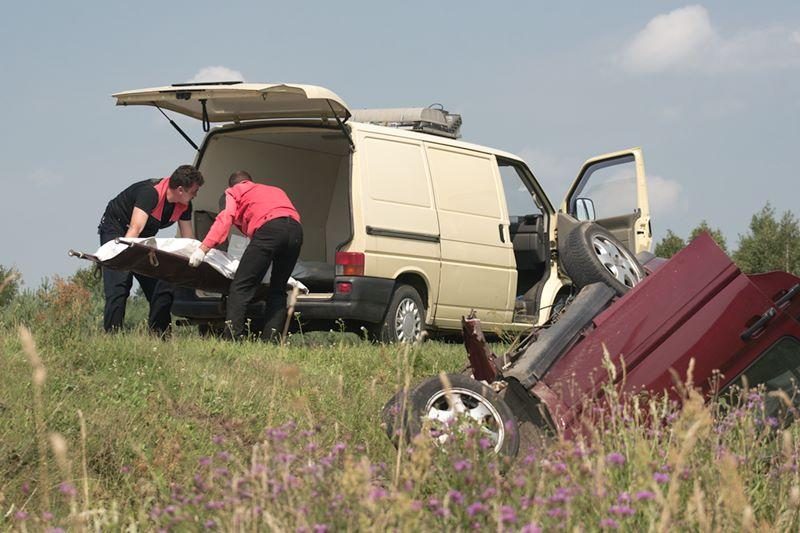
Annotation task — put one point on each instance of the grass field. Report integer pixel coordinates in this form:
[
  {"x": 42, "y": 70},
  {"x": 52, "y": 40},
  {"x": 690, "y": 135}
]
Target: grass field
[{"x": 129, "y": 432}]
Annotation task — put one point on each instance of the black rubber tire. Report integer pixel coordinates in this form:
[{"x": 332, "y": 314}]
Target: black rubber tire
[
  {"x": 403, "y": 295},
  {"x": 431, "y": 394},
  {"x": 584, "y": 267},
  {"x": 393, "y": 416}
]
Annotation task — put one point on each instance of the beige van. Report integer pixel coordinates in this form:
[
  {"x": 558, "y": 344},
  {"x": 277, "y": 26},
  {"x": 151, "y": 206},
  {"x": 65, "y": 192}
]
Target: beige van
[{"x": 406, "y": 228}]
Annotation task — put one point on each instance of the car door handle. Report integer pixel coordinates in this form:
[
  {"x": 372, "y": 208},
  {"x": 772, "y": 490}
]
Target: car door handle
[
  {"x": 783, "y": 301},
  {"x": 759, "y": 324},
  {"x": 502, "y": 236}
]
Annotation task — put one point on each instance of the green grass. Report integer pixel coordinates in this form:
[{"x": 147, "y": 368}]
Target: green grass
[{"x": 195, "y": 432}]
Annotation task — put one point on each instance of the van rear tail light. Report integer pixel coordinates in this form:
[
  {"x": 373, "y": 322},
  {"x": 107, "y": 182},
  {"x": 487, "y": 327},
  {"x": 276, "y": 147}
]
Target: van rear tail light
[{"x": 349, "y": 264}]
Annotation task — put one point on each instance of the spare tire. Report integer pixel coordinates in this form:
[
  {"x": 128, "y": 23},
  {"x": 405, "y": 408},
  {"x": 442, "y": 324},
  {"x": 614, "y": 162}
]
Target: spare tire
[{"x": 592, "y": 254}]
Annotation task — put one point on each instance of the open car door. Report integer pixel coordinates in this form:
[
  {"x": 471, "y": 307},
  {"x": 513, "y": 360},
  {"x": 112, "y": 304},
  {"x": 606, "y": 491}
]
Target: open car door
[{"x": 611, "y": 190}]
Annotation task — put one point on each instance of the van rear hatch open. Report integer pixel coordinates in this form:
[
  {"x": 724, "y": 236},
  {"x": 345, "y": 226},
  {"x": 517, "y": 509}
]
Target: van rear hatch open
[{"x": 238, "y": 101}]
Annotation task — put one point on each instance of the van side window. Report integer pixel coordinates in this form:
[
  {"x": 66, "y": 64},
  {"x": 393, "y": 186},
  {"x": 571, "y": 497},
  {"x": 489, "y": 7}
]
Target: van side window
[
  {"x": 611, "y": 186},
  {"x": 521, "y": 201}
]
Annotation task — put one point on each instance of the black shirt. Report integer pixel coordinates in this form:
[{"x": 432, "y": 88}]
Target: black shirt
[{"x": 143, "y": 195}]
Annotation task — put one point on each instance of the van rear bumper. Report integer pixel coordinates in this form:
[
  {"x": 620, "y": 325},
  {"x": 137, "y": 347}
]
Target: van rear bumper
[{"x": 366, "y": 302}]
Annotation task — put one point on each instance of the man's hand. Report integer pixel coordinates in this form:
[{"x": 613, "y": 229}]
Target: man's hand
[{"x": 197, "y": 257}]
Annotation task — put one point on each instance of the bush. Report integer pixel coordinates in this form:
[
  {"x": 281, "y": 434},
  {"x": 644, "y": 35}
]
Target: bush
[{"x": 9, "y": 285}]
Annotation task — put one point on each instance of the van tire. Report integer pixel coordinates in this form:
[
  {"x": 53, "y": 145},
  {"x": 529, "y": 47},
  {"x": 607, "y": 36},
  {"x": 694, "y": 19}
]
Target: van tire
[
  {"x": 592, "y": 254},
  {"x": 404, "y": 321}
]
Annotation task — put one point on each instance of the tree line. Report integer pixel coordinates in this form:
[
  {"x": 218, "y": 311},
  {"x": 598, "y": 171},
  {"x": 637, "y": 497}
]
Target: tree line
[{"x": 771, "y": 242}]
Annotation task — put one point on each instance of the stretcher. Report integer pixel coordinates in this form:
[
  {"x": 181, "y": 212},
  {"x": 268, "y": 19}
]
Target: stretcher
[{"x": 168, "y": 259}]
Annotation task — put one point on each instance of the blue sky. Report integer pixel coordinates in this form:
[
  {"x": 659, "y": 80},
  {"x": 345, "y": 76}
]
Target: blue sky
[{"x": 709, "y": 90}]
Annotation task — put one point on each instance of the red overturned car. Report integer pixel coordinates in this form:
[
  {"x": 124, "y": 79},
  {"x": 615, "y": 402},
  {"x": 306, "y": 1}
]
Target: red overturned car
[{"x": 697, "y": 308}]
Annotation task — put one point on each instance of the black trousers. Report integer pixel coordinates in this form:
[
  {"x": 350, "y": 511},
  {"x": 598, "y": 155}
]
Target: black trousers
[
  {"x": 117, "y": 287},
  {"x": 278, "y": 243}
]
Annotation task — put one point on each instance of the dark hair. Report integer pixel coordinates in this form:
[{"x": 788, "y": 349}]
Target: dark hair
[
  {"x": 238, "y": 177},
  {"x": 185, "y": 176}
]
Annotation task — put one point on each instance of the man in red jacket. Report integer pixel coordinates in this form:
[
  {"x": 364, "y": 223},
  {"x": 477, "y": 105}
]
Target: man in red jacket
[{"x": 265, "y": 215}]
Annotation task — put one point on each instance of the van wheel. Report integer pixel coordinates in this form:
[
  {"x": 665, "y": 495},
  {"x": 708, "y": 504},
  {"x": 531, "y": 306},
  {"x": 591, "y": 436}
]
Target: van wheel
[
  {"x": 592, "y": 254},
  {"x": 445, "y": 409},
  {"x": 405, "y": 318}
]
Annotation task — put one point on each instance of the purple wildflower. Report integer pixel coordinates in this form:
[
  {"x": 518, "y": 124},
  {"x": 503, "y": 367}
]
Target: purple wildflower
[
  {"x": 661, "y": 477},
  {"x": 377, "y": 493},
  {"x": 531, "y": 528},
  {"x": 561, "y": 495},
  {"x": 615, "y": 458},
  {"x": 217, "y": 439},
  {"x": 21, "y": 516},
  {"x": 556, "y": 512},
  {"x": 455, "y": 497},
  {"x": 508, "y": 515},
  {"x": 489, "y": 493},
  {"x": 476, "y": 508},
  {"x": 580, "y": 452},
  {"x": 644, "y": 495},
  {"x": 529, "y": 459},
  {"x": 485, "y": 443},
  {"x": 609, "y": 523},
  {"x": 46, "y": 516},
  {"x": 338, "y": 448},
  {"x": 415, "y": 505},
  {"x": 223, "y": 456},
  {"x": 204, "y": 461},
  {"x": 461, "y": 465},
  {"x": 210, "y": 524},
  {"x": 25, "y": 488},
  {"x": 67, "y": 489},
  {"x": 124, "y": 469},
  {"x": 559, "y": 468},
  {"x": 621, "y": 510},
  {"x": 320, "y": 528},
  {"x": 624, "y": 497}
]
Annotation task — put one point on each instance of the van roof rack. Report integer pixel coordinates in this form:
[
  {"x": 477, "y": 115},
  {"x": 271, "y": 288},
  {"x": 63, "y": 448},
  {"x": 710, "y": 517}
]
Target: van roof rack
[{"x": 433, "y": 119}]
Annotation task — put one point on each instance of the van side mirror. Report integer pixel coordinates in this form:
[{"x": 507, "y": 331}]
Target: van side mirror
[{"x": 584, "y": 209}]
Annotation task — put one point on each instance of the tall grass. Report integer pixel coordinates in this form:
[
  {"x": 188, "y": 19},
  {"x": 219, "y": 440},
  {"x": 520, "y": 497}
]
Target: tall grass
[{"x": 126, "y": 431}]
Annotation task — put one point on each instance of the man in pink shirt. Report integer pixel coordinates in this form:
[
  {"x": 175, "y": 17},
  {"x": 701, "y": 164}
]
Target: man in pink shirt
[{"x": 267, "y": 217}]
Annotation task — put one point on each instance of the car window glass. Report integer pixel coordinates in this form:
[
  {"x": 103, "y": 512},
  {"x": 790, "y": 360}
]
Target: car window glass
[
  {"x": 520, "y": 200},
  {"x": 611, "y": 186},
  {"x": 778, "y": 368}
]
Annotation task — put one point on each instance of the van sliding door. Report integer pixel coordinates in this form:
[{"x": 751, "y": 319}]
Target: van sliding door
[{"x": 478, "y": 267}]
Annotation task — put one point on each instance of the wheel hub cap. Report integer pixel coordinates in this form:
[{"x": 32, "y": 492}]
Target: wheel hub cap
[
  {"x": 446, "y": 407},
  {"x": 408, "y": 321},
  {"x": 617, "y": 261}
]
